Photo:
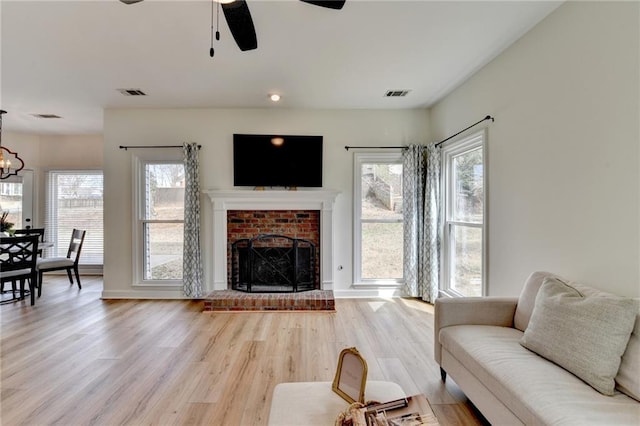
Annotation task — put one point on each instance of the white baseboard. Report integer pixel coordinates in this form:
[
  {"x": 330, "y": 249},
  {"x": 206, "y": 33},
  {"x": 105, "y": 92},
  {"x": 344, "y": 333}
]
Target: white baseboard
[
  {"x": 367, "y": 293},
  {"x": 83, "y": 271},
  {"x": 145, "y": 294},
  {"x": 177, "y": 294}
]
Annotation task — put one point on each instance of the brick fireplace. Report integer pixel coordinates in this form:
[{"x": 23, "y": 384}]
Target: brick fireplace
[
  {"x": 272, "y": 230},
  {"x": 292, "y": 212}
]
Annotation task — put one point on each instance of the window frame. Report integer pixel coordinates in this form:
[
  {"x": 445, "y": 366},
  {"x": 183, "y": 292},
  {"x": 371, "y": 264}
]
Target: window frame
[
  {"x": 139, "y": 221},
  {"x": 51, "y": 217},
  {"x": 390, "y": 156},
  {"x": 448, "y": 153},
  {"x": 25, "y": 180}
]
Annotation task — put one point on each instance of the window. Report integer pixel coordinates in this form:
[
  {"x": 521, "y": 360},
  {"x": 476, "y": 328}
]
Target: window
[
  {"x": 464, "y": 230},
  {"x": 160, "y": 222},
  {"x": 74, "y": 200},
  {"x": 11, "y": 200},
  {"x": 378, "y": 227},
  {"x": 16, "y": 197}
]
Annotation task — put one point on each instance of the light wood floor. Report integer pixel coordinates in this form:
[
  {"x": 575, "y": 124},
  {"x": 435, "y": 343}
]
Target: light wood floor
[{"x": 74, "y": 359}]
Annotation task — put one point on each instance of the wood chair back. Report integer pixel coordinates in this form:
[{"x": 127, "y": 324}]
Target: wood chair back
[
  {"x": 75, "y": 245},
  {"x": 18, "y": 259},
  {"x": 18, "y": 253},
  {"x": 30, "y": 231}
]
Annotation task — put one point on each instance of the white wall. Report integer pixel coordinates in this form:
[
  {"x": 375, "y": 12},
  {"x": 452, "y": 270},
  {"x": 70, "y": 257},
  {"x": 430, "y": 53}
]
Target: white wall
[
  {"x": 563, "y": 153},
  {"x": 214, "y": 129},
  {"x": 42, "y": 153},
  {"x": 56, "y": 152}
]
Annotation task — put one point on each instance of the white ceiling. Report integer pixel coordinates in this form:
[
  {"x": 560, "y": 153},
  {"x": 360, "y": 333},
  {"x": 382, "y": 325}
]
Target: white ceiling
[{"x": 69, "y": 57}]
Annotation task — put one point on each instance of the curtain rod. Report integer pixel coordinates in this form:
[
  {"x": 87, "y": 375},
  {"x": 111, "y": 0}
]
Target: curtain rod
[
  {"x": 488, "y": 117},
  {"x": 376, "y": 147},
  {"x": 152, "y": 146}
]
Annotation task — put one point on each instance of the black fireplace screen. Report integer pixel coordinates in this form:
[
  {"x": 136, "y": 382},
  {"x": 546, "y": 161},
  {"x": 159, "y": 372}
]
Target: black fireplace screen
[{"x": 273, "y": 263}]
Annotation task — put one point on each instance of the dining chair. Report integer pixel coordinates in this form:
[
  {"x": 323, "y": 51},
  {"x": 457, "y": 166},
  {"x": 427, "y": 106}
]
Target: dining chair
[
  {"x": 30, "y": 231},
  {"x": 63, "y": 263},
  {"x": 18, "y": 257}
]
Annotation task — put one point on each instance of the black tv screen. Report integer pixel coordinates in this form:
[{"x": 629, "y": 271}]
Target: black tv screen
[{"x": 277, "y": 160}]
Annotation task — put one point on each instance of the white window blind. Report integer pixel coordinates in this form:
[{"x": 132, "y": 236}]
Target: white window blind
[{"x": 75, "y": 200}]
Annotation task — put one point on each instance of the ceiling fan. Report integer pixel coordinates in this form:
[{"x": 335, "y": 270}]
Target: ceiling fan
[{"x": 240, "y": 23}]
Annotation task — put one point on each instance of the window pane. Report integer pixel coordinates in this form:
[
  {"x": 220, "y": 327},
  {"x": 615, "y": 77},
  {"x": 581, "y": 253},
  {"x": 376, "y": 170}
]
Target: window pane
[
  {"x": 11, "y": 201},
  {"x": 163, "y": 251},
  {"x": 468, "y": 187},
  {"x": 381, "y": 191},
  {"x": 466, "y": 261},
  {"x": 382, "y": 251},
  {"x": 75, "y": 200},
  {"x": 164, "y": 192}
]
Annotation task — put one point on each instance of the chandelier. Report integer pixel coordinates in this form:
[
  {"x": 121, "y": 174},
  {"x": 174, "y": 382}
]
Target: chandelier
[{"x": 10, "y": 163}]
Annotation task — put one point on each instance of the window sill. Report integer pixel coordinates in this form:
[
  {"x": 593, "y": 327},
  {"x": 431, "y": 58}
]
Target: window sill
[
  {"x": 450, "y": 293},
  {"x": 379, "y": 283},
  {"x": 170, "y": 285}
]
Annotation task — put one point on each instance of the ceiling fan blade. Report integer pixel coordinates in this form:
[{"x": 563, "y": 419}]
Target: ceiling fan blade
[
  {"x": 240, "y": 24},
  {"x": 130, "y": 1},
  {"x": 331, "y": 4}
]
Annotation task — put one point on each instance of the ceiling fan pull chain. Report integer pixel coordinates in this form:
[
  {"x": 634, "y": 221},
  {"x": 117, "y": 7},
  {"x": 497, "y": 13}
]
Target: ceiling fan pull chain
[
  {"x": 218, "y": 23},
  {"x": 211, "y": 51}
]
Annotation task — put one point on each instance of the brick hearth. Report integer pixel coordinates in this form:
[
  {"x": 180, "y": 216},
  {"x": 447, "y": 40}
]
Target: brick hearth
[{"x": 238, "y": 301}]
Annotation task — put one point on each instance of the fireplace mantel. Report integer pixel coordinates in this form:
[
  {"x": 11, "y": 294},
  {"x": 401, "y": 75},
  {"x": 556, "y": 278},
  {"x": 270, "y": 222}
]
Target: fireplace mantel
[{"x": 309, "y": 199}]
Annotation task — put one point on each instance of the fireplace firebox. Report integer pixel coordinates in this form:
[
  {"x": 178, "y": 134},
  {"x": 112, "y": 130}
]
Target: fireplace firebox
[{"x": 274, "y": 264}]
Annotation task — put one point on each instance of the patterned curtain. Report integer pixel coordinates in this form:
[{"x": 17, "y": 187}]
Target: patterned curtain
[
  {"x": 433, "y": 220},
  {"x": 192, "y": 257},
  {"x": 421, "y": 211}
]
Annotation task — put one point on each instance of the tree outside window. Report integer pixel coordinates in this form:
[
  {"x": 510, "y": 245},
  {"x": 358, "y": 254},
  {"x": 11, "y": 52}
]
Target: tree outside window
[
  {"x": 378, "y": 227},
  {"x": 464, "y": 190},
  {"x": 163, "y": 221}
]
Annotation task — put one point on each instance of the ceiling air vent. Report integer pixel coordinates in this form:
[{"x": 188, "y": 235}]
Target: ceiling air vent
[
  {"x": 396, "y": 93},
  {"x": 46, "y": 116},
  {"x": 132, "y": 92}
]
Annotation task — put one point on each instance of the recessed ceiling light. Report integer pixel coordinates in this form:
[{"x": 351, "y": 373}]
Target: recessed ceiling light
[{"x": 274, "y": 97}]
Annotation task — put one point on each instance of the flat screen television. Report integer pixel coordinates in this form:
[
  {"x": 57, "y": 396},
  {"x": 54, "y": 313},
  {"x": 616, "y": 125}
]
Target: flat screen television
[{"x": 277, "y": 160}]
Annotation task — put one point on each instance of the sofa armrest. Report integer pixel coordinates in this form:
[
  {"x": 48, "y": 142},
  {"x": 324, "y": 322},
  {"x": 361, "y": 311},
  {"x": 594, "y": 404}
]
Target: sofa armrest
[{"x": 497, "y": 311}]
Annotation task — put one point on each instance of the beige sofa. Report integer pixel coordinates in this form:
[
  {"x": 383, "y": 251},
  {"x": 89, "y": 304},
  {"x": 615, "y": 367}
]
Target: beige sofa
[{"x": 478, "y": 343}]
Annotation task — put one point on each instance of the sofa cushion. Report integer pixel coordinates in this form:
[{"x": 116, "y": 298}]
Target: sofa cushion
[
  {"x": 585, "y": 335},
  {"x": 527, "y": 298},
  {"x": 628, "y": 378},
  {"x": 535, "y": 390}
]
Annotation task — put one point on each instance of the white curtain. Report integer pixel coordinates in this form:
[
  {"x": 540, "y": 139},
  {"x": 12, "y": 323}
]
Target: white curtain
[
  {"x": 192, "y": 256},
  {"x": 421, "y": 211}
]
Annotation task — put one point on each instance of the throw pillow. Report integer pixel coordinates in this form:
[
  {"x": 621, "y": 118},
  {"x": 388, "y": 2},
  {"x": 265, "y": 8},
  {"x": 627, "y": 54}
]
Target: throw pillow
[{"x": 585, "y": 335}]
